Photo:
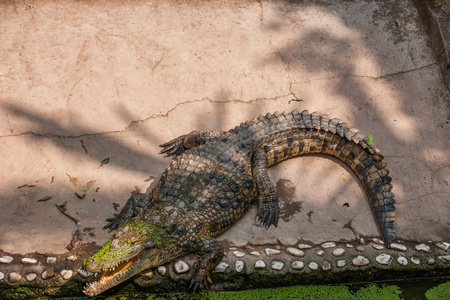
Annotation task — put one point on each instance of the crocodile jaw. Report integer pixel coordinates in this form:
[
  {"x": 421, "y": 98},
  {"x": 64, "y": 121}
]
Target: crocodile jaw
[{"x": 119, "y": 274}]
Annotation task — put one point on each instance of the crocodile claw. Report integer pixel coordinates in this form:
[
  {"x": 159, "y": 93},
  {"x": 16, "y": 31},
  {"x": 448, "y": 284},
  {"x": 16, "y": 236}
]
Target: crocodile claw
[
  {"x": 268, "y": 214},
  {"x": 174, "y": 147},
  {"x": 114, "y": 223},
  {"x": 199, "y": 282}
]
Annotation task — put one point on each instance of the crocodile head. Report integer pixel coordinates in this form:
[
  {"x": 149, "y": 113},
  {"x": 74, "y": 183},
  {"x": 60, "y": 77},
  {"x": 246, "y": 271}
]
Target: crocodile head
[{"x": 137, "y": 245}]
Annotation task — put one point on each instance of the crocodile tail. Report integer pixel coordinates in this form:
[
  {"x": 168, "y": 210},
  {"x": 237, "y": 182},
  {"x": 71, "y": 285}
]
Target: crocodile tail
[{"x": 291, "y": 134}]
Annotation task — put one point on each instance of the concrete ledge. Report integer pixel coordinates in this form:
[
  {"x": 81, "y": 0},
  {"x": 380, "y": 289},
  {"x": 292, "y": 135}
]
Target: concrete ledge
[{"x": 435, "y": 16}]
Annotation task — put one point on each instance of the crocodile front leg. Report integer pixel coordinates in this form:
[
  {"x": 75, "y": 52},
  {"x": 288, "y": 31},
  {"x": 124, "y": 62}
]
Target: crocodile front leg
[
  {"x": 211, "y": 254},
  {"x": 133, "y": 207},
  {"x": 182, "y": 143},
  {"x": 269, "y": 211}
]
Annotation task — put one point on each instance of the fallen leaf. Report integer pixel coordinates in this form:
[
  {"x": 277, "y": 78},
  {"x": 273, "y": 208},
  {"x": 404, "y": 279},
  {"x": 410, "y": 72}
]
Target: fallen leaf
[
  {"x": 369, "y": 140},
  {"x": 104, "y": 162},
  {"x": 80, "y": 196},
  {"x": 116, "y": 205},
  {"x": 45, "y": 199}
]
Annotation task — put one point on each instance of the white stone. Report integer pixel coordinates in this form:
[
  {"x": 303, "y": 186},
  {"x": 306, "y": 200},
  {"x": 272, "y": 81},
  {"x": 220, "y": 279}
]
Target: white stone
[
  {"x": 48, "y": 273},
  {"x": 66, "y": 274},
  {"x": 239, "y": 254},
  {"x": 232, "y": 248},
  {"x": 162, "y": 270},
  {"x": 255, "y": 253},
  {"x": 384, "y": 259},
  {"x": 326, "y": 266},
  {"x": 341, "y": 263},
  {"x": 14, "y": 277},
  {"x": 443, "y": 245},
  {"x": 378, "y": 247},
  {"x": 378, "y": 241},
  {"x": 259, "y": 264},
  {"x": 338, "y": 252},
  {"x": 360, "y": 248},
  {"x": 295, "y": 251},
  {"x": 431, "y": 260},
  {"x": 277, "y": 265},
  {"x": 181, "y": 267},
  {"x": 297, "y": 265},
  {"x": 320, "y": 252},
  {"x": 329, "y": 245},
  {"x": 360, "y": 261},
  {"x": 445, "y": 258},
  {"x": 239, "y": 265},
  {"x": 362, "y": 241},
  {"x": 349, "y": 246},
  {"x": 51, "y": 260},
  {"x": 6, "y": 259},
  {"x": 27, "y": 260},
  {"x": 2, "y": 275},
  {"x": 221, "y": 267},
  {"x": 313, "y": 266},
  {"x": 72, "y": 258},
  {"x": 415, "y": 260},
  {"x": 402, "y": 260},
  {"x": 398, "y": 247},
  {"x": 270, "y": 251},
  {"x": 30, "y": 277},
  {"x": 304, "y": 246},
  {"x": 423, "y": 247}
]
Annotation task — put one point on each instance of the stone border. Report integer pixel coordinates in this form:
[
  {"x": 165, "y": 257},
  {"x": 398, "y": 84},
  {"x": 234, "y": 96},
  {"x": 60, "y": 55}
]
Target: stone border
[{"x": 24, "y": 277}]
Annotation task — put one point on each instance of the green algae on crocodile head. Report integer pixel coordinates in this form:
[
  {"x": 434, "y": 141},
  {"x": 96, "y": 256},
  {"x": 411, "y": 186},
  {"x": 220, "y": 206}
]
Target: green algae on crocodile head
[{"x": 137, "y": 245}]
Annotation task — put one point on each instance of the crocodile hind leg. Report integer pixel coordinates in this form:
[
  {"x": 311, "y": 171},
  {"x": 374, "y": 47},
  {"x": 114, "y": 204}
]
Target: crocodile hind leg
[
  {"x": 182, "y": 143},
  {"x": 269, "y": 211},
  {"x": 211, "y": 254},
  {"x": 135, "y": 204}
]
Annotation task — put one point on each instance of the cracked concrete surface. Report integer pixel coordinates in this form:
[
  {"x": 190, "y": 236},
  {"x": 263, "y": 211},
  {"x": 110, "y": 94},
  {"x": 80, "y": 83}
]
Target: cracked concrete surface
[{"x": 85, "y": 81}]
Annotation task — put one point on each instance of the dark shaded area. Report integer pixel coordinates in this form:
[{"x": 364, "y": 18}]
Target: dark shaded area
[
  {"x": 436, "y": 16},
  {"x": 289, "y": 206}
]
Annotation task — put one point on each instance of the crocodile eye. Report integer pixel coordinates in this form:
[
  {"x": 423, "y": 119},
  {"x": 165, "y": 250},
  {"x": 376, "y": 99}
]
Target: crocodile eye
[{"x": 90, "y": 260}]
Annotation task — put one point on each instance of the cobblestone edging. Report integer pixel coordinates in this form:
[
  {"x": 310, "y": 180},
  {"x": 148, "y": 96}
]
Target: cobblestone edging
[{"x": 37, "y": 274}]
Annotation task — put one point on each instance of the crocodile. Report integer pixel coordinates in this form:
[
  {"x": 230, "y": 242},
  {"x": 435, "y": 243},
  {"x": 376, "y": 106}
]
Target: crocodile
[{"x": 212, "y": 180}]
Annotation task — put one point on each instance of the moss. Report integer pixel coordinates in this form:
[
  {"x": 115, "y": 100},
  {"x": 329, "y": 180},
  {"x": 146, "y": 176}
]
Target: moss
[
  {"x": 24, "y": 290},
  {"x": 439, "y": 292},
  {"x": 371, "y": 291}
]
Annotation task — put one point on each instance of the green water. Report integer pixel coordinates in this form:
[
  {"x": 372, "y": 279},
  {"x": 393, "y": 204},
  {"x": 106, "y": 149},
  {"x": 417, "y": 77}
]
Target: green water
[{"x": 426, "y": 289}]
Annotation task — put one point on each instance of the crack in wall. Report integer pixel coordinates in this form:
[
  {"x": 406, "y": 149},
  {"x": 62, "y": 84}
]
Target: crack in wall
[
  {"x": 366, "y": 76},
  {"x": 134, "y": 124}
]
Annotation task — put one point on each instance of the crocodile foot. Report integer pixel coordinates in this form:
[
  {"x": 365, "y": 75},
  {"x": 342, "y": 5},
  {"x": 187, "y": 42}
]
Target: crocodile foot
[
  {"x": 200, "y": 282},
  {"x": 268, "y": 214}
]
